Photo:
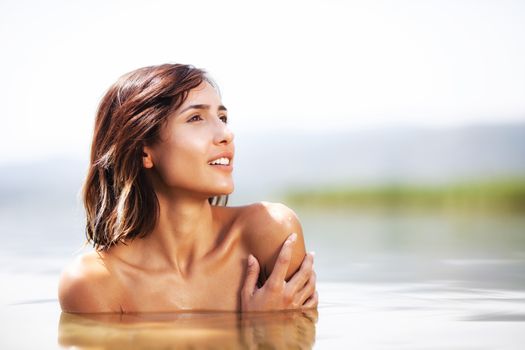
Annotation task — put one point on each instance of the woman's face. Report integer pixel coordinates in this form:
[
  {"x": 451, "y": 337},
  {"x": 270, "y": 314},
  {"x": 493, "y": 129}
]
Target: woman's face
[{"x": 195, "y": 136}]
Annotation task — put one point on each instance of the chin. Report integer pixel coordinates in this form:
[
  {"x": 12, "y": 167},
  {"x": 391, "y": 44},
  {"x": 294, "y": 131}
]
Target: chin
[{"x": 226, "y": 190}]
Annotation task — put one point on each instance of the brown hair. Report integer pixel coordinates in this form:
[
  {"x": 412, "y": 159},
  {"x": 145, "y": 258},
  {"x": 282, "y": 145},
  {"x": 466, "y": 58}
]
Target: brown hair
[{"x": 120, "y": 202}]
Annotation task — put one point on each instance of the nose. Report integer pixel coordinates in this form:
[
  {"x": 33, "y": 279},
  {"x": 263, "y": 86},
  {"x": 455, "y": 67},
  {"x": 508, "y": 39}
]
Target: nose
[{"x": 223, "y": 134}]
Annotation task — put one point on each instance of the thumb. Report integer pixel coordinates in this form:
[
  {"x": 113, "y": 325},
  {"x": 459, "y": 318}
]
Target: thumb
[{"x": 252, "y": 275}]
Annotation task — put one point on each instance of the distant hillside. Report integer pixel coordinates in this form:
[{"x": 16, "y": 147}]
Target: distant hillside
[
  {"x": 502, "y": 194},
  {"x": 382, "y": 156},
  {"x": 56, "y": 181}
]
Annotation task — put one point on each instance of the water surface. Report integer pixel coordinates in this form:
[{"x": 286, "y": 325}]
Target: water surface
[{"x": 387, "y": 280}]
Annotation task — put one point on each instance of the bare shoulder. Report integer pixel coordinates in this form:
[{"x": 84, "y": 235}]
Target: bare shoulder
[
  {"x": 266, "y": 226},
  {"x": 266, "y": 220},
  {"x": 86, "y": 286}
]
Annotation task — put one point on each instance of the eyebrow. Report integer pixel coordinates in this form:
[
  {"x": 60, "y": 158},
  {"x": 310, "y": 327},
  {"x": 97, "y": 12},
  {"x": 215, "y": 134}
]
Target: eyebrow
[{"x": 202, "y": 106}]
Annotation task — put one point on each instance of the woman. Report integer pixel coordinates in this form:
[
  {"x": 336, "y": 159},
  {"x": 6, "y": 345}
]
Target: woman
[{"x": 161, "y": 160}]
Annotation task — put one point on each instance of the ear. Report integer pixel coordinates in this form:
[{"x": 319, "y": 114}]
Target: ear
[{"x": 147, "y": 159}]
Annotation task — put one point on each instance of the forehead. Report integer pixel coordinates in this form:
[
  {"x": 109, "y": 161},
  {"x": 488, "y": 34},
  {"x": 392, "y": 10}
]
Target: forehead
[{"x": 205, "y": 93}]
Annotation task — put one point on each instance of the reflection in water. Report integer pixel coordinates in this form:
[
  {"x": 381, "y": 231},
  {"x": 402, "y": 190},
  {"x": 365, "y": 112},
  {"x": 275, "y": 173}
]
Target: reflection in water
[
  {"x": 399, "y": 280},
  {"x": 273, "y": 330}
]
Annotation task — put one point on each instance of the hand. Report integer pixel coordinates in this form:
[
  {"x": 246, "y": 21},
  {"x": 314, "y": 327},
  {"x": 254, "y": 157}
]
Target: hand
[{"x": 276, "y": 293}]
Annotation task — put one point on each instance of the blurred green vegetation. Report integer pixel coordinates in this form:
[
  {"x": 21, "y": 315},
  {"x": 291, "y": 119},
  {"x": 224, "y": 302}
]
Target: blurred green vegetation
[{"x": 504, "y": 194}]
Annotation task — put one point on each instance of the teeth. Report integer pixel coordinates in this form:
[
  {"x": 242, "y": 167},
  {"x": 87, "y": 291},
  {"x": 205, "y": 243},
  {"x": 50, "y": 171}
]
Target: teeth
[{"x": 222, "y": 161}]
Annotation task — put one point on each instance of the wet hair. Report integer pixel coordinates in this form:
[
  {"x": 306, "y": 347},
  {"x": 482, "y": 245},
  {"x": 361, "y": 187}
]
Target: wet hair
[{"x": 118, "y": 197}]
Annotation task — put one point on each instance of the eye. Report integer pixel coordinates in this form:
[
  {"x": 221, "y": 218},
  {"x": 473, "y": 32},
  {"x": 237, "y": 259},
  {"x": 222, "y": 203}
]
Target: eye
[
  {"x": 194, "y": 118},
  {"x": 224, "y": 118}
]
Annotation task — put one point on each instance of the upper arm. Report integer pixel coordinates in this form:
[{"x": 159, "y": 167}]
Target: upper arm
[
  {"x": 267, "y": 226},
  {"x": 84, "y": 289}
]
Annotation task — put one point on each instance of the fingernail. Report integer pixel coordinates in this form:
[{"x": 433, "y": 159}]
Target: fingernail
[
  {"x": 293, "y": 237},
  {"x": 251, "y": 260},
  {"x": 312, "y": 253}
]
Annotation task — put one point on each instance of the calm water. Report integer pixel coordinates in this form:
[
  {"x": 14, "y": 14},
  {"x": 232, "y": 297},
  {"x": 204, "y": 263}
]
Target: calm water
[{"x": 387, "y": 280}]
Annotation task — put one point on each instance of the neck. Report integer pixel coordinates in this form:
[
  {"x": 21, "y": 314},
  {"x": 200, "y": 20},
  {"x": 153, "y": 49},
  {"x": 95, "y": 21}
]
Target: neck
[{"x": 182, "y": 235}]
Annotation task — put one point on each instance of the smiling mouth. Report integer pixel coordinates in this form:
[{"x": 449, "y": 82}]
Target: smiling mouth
[
  {"x": 227, "y": 166},
  {"x": 221, "y": 162}
]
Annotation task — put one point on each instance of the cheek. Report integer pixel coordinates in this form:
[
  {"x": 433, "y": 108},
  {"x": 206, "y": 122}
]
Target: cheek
[{"x": 181, "y": 160}]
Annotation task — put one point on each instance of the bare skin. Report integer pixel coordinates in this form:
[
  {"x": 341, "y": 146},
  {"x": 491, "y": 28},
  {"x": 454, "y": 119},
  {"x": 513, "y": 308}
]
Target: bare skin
[
  {"x": 129, "y": 278},
  {"x": 198, "y": 257}
]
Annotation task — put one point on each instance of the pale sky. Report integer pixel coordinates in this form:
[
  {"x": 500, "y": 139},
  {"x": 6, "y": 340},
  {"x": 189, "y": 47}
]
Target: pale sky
[{"x": 280, "y": 64}]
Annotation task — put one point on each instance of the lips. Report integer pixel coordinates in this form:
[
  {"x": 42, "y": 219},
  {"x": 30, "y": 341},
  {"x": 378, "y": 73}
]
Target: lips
[{"x": 222, "y": 159}]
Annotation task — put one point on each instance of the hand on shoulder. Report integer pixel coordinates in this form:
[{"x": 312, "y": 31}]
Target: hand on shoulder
[
  {"x": 286, "y": 279},
  {"x": 86, "y": 286},
  {"x": 266, "y": 226}
]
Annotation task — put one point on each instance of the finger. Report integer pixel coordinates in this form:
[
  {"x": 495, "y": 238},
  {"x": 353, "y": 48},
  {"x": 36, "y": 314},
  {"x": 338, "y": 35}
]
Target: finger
[
  {"x": 301, "y": 277},
  {"x": 278, "y": 275},
  {"x": 307, "y": 291},
  {"x": 252, "y": 274},
  {"x": 312, "y": 302}
]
